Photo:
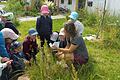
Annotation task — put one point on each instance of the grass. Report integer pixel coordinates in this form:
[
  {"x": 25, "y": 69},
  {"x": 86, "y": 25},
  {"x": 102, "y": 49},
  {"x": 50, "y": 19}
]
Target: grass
[{"x": 103, "y": 63}]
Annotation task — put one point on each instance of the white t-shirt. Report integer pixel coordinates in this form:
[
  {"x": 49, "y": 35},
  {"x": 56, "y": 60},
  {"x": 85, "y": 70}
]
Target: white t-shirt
[
  {"x": 79, "y": 27},
  {"x": 2, "y": 66}
]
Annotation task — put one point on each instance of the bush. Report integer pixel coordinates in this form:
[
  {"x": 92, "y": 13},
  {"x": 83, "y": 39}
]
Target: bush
[
  {"x": 109, "y": 30},
  {"x": 88, "y": 19},
  {"x": 15, "y": 7},
  {"x": 19, "y": 9}
]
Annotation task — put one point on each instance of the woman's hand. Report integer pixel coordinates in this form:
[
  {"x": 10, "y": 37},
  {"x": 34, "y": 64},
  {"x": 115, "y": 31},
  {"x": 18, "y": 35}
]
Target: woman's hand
[{"x": 59, "y": 53}]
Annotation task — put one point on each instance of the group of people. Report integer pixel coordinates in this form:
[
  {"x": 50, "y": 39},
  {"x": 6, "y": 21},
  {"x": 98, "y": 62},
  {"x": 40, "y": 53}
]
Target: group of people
[
  {"x": 14, "y": 55},
  {"x": 67, "y": 44}
]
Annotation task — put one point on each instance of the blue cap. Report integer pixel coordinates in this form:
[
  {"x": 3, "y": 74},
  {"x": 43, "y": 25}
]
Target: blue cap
[
  {"x": 32, "y": 32},
  {"x": 15, "y": 44},
  {"x": 74, "y": 15}
]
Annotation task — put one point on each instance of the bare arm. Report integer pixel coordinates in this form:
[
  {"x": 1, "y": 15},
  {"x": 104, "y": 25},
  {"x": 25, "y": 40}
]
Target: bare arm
[{"x": 68, "y": 50}]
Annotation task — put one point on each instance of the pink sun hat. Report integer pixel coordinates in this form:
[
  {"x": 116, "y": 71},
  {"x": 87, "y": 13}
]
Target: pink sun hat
[{"x": 44, "y": 9}]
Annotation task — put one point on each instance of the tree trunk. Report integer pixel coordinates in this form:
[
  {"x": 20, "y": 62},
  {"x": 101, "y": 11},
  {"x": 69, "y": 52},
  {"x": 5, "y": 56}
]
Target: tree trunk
[
  {"x": 57, "y": 6},
  {"x": 102, "y": 20}
]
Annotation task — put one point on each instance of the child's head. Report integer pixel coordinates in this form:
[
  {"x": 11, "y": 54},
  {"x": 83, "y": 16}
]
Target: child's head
[
  {"x": 73, "y": 16},
  {"x": 16, "y": 47},
  {"x": 8, "y": 40},
  {"x": 8, "y": 16},
  {"x": 32, "y": 33},
  {"x": 61, "y": 34},
  {"x": 9, "y": 35},
  {"x": 44, "y": 10},
  {"x": 54, "y": 36}
]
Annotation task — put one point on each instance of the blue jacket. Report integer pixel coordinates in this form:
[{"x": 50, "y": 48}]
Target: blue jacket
[
  {"x": 3, "y": 51},
  {"x": 44, "y": 25},
  {"x": 18, "y": 61}
]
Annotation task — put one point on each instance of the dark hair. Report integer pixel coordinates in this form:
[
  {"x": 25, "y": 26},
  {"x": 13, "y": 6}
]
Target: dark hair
[{"x": 70, "y": 28}]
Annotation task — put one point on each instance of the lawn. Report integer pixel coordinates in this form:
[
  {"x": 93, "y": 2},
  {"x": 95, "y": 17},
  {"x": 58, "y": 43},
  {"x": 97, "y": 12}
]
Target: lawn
[{"x": 104, "y": 64}]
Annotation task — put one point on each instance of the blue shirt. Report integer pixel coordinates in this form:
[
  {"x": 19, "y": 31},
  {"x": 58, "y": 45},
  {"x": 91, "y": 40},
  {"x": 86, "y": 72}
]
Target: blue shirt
[{"x": 3, "y": 51}]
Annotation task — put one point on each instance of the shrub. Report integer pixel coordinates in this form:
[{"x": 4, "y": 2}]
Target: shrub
[
  {"x": 88, "y": 19},
  {"x": 19, "y": 7}
]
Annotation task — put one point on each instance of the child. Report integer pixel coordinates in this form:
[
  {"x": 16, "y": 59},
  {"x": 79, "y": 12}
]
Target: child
[
  {"x": 62, "y": 38},
  {"x": 7, "y": 19},
  {"x": 58, "y": 39},
  {"x": 17, "y": 56},
  {"x": 1, "y": 23},
  {"x": 4, "y": 71},
  {"x": 30, "y": 46},
  {"x": 79, "y": 26},
  {"x": 54, "y": 40},
  {"x": 9, "y": 36},
  {"x": 54, "y": 37},
  {"x": 44, "y": 26}
]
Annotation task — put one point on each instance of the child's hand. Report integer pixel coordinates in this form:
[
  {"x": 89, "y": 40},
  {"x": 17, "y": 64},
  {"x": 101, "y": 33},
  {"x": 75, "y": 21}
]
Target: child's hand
[
  {"x": 4, "y": 59},
  {"x": 26, "y": 62},
  {"x": 9, "y": 62},
  {"x": 34, "y": 39}
]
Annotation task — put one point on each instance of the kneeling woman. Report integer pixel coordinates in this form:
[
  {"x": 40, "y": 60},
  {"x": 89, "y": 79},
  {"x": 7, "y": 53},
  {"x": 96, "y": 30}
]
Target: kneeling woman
[{"x": 75, "y": 50}]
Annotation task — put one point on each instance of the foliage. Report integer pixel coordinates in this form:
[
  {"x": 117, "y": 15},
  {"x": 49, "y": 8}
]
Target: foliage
[
  {"x": 14, "y": 6},
  {"x": 20, "y": 7},
  {"x": 88, "y": 19},
  {"x": 109, "y": 31}
]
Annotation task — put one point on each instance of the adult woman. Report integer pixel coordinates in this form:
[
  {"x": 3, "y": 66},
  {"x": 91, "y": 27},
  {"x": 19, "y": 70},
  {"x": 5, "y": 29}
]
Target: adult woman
[{"x": 75, "y": 50}]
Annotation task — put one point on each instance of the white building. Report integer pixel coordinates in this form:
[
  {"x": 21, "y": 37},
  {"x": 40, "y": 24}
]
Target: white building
[
  {"x": 67, "y": 4},
  {"x": 112, "y": 6}
]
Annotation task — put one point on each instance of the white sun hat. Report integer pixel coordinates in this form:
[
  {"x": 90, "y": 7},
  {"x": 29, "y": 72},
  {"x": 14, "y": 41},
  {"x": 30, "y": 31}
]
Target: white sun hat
[
  {"x": 62, "y": 31},
  {"x": 54, "y": 36},
  {"x": 9, "y": 33}
]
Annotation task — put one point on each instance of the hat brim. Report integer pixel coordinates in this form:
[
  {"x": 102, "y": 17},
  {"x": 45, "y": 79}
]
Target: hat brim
[
  {"x": 44, "y": 12},
  {"x": 35, "y": 33},
  {"x": 61, "y": 34},
  {"x": 15, "y": 36},
  {"x": 72, "y": 17}
]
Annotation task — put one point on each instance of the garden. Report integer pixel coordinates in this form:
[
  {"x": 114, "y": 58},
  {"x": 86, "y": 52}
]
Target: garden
[{"x": 104, "y": 53}]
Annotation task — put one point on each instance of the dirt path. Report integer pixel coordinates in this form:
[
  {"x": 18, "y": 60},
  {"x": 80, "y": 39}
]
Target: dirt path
[
  {"x": 29, "y": 18},
  {"x": 24, "y": 77}
]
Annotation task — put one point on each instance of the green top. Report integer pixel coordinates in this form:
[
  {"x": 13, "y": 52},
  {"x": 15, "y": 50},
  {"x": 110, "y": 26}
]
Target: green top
[{"x": 1, "y": 26}]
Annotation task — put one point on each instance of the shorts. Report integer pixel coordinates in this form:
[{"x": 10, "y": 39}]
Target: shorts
[{"x": 78, "y": 59}]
